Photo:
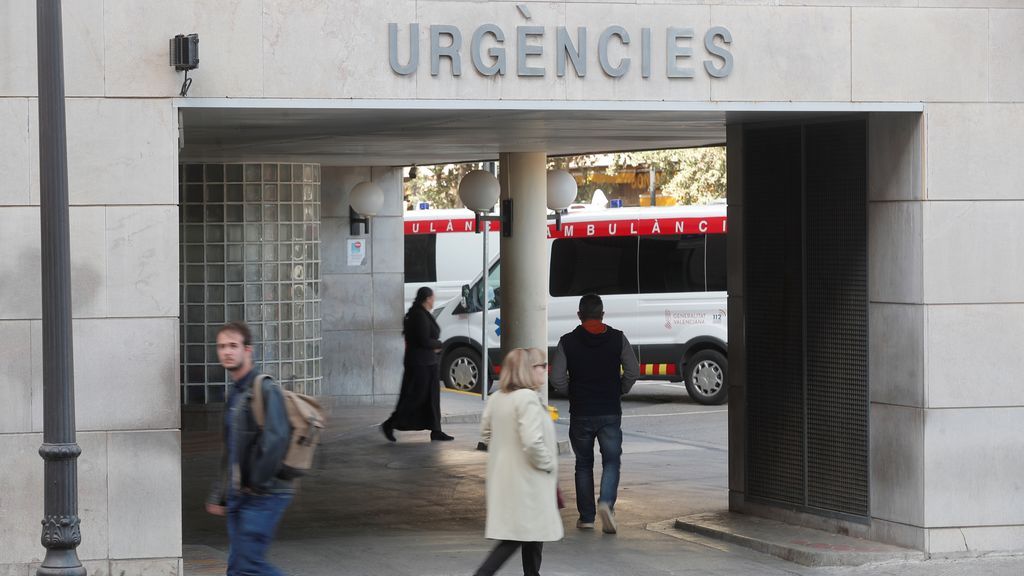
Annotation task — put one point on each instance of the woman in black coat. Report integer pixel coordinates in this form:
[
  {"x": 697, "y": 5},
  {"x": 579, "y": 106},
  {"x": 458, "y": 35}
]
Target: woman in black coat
[{"x": 419, "y": 402}]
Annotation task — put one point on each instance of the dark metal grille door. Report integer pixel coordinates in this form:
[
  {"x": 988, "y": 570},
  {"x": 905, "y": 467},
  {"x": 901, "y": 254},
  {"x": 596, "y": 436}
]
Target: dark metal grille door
[
  {"x": 774, "y": 331},
  {"x": 837, "y": 318},
  {"x": 805, "y": 228}
]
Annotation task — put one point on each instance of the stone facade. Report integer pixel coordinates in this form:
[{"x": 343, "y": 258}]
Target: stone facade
[{"x": 945, "y": 270}]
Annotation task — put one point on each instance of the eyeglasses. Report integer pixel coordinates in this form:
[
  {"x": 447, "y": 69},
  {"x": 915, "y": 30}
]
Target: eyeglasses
[{"x": 543, "y": 365}]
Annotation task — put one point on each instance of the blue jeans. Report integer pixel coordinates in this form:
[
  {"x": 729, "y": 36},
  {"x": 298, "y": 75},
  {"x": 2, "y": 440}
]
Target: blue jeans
[
  {"x": 252, "y": 520},
  {"x": 608, "y": 432}
]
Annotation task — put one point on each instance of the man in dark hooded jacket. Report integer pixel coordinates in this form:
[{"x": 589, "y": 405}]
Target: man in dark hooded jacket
[{"x": 597, "y": 365}]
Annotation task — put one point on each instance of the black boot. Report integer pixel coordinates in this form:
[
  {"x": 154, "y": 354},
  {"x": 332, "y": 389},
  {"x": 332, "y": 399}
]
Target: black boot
[
  {"x": 388, "y": 431},
  {"x": 440, "y": 436}
]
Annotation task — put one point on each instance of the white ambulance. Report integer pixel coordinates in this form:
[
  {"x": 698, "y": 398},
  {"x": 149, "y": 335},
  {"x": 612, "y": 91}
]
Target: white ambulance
[
  {"x": 443, "y": 252},
  {"x": 660, "y": 271}
]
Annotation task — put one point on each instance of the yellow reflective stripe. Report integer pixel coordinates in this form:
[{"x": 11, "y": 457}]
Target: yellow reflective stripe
[{"x": 655, "y": 369}]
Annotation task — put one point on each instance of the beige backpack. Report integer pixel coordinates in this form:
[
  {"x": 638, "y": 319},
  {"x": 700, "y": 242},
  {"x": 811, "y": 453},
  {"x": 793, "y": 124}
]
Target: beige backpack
[{"x": 307, "y": 423}]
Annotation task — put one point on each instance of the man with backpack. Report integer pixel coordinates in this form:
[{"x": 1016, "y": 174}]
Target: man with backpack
[
  {"x": 597, "y": 366},
  {"x": 251, "y": 491}
]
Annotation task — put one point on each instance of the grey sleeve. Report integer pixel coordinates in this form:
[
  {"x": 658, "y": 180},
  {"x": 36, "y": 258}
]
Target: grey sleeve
[
  {"x": 559, "y": 372},
  {"x": 630, "y": 367}
]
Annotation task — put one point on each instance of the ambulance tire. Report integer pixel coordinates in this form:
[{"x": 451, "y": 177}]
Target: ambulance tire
[
  {"x": 706, "y": 377},
  {"x": 460, "y": 369}
]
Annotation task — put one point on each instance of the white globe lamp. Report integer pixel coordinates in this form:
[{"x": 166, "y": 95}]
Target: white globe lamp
[
  {"x": 479, "y": 190},
  {"x": 366, "y": 198},
  {"x": 561, "y": 190},
  {"x": 364, "y": 201}
]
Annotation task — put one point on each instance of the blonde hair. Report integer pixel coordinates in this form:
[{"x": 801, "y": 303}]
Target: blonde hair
[{"x": 517, "y": 370}]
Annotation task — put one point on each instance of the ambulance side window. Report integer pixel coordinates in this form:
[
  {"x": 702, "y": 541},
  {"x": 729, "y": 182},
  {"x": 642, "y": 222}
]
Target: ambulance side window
[
  {"x": 603, "y": 265},
  {"x": 671, "y": 264},
  {"x": 420, "y": 258}
]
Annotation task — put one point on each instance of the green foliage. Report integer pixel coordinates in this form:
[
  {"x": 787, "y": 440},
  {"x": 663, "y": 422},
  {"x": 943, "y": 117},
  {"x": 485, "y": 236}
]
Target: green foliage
[
  {"x": 438, "y": 184},
  {"x": 690, "y": 175}
]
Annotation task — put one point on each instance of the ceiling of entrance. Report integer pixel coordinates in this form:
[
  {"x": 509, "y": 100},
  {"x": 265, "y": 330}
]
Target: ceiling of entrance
[{"x": 398, "y": 137}]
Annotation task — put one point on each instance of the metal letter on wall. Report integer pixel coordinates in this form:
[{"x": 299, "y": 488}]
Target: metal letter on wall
[
  {"x": 414, "y": 49},
  {"x": 450, "y": 51},
  {"x": 602, "y": 51},
  {"x": 673, "y": 51},
  {"x": 645, "y": 52},
  {"x": 725, "y": 55},
  {"x": 524, "y": 49},
  {"x": 497, "y": 53},
  {"x": 564, "y": 48}
]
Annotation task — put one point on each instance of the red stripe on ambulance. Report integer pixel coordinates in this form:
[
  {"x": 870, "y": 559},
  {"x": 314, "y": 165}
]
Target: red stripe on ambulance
[{"x": 589, "y": 229}]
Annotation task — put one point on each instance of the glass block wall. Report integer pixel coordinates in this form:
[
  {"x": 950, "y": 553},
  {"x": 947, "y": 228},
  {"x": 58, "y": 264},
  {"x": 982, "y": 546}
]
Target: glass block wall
[{"x": 250, "y": 250}]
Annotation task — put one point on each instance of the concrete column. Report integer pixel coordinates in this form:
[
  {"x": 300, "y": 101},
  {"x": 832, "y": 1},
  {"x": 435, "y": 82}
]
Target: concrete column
[{"x": 524, "y": 263}]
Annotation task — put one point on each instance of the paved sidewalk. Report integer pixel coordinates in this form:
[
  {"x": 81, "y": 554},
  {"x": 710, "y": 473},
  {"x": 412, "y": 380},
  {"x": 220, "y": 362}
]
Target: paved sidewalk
[{"x": 416, "y": 508}]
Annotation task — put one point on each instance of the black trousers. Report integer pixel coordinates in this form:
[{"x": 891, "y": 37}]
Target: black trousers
[{"x": 504, "y": 549}]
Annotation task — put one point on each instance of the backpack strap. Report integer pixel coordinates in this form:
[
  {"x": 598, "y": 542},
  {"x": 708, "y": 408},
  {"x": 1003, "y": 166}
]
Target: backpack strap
[{"x": 257, "y": 400}]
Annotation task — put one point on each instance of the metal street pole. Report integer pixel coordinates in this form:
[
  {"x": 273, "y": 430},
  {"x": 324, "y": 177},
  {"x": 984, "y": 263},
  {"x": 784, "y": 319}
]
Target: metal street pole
[
  {"x": 61, "y": 533},
  {"x": 485, "y": 370}
]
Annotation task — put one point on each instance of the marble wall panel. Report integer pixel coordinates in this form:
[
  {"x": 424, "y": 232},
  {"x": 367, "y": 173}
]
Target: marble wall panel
[
  {"x": 388, "y": 352},
  {"x": 15, "y": 151},
  {"x": 895, "y": 157},
  {"x": 972, "y": 355},
  {"x": 142, "y": 258},
  {"x": 897, "y": 464},
  {"x": 82, "y": 23},
  {"x": 897, "y": 353},
  {"x": 134, "y": 360},
  {"x": 1006, "y": 44},
  {"x": 21, "y": 501},
  {"x": 16, "y": 376},
  {"x": 973, "y": 252},
  {"x": 145, "y": 501},
  {"x": 974, "y": 152},
  {"x": 140, "y": 133},
  {"x": 136, "y": 43},
  {"x": 347, "y": 302},
  {"x": 895, "y": 252},
  {"x": 347, "y": 364},
  {"x": 894, "y": 55},
  {"x": 806, "y": 57},
  {"x": 315, "y": 49},
  {"x": 986, "y": 442},
  {"x": 20, "y": 272}
]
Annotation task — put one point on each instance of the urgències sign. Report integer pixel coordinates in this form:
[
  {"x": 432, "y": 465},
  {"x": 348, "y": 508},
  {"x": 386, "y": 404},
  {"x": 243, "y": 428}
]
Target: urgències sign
[{"x": 487, "y": 52}]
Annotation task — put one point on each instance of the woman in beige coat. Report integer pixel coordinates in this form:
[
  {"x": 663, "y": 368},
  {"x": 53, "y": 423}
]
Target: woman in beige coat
[{"x": 522, "y": 465}]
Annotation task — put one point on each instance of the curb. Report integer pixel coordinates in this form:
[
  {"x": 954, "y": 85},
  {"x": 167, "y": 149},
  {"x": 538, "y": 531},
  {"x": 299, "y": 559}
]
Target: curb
[
  {"x": 465, "y": 418},
  {"x": 797, "y": 544}
]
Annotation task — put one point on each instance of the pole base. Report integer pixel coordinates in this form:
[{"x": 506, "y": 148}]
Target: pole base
[{"x": 61, "y": 563}]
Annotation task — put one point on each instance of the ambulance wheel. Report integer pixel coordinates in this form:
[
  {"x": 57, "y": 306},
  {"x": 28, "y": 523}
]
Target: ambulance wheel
[
  {"x": 705, "y": 375},
  {"x": 460, "y": 370}
]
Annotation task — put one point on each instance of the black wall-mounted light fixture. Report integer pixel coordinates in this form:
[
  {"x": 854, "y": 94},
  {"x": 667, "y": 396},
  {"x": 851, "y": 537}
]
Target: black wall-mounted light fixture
[{"x": 185, "y": 56}]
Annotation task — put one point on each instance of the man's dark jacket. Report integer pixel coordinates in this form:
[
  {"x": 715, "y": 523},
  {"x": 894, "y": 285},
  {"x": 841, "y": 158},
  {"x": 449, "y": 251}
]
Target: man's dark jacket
[
  {"x": 259, "y": 452},
  {"x": 596, "y": 370}
]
